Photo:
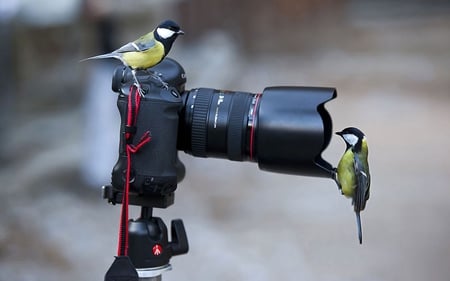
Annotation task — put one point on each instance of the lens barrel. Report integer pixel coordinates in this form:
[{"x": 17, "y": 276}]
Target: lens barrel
[{"x": 215, "y": 124}]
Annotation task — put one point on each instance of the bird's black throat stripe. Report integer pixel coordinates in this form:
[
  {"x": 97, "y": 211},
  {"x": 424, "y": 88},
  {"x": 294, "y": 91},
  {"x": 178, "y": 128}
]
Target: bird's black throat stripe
[{"x": 358, "y": 146}]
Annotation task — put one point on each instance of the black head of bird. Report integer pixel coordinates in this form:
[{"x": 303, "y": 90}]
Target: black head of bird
[
  {"x": 352, "y": 136},
  {"x": 166, "y": 33}
]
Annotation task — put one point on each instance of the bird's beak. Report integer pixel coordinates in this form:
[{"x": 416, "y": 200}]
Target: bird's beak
[
  {"x": 339, "y": 133},
  {"x": 180, "y": 32}
]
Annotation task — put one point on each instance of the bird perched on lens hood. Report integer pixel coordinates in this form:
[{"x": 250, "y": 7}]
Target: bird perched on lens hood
[
  {"x": 352, "y": 173},
  {"x": 147, "y": 51}
]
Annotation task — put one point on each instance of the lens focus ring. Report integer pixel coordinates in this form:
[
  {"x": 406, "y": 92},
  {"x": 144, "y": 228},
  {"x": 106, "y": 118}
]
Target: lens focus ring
[{"x": 199, "y": 122}]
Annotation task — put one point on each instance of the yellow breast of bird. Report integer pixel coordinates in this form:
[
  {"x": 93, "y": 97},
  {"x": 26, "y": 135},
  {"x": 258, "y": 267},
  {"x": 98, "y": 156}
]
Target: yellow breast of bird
[
  {"x": 346, "y": 174},
  {"x": 145, "y": 59}
]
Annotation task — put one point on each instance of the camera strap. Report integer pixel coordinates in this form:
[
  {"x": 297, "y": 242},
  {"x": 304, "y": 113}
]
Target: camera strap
[{"x": 134, "y": 100}]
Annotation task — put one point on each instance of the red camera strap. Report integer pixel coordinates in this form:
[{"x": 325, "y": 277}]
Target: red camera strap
[{"x": 134, "y": 100}]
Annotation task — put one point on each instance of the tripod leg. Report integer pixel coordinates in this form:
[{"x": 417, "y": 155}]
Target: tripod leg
[{"x": 122, "y": 269}]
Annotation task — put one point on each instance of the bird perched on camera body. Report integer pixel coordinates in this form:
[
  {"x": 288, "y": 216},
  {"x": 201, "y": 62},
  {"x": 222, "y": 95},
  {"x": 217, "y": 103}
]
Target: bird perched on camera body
[
  {"x": 147, "y": 51},
  {"x": 352, "y": 173}
]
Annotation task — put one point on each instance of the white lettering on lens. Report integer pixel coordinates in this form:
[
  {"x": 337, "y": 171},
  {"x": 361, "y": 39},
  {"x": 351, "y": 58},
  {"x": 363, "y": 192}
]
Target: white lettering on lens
[
  {"x": 220, "y": 100},
  {"x": 216, "y": 115}
]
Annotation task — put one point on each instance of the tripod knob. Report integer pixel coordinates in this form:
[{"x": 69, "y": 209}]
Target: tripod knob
[
  {"x": 149, "y": 246},
  {"x": 179, "y": 244}
]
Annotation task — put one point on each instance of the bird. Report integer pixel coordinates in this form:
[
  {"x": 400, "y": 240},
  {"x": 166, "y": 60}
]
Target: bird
[
  {"x": 352, "y": 173},
  {"x": 146, "y": 51}
]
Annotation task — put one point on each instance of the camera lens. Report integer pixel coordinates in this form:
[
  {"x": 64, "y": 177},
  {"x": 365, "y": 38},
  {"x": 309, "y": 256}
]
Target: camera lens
[
  {"x": 216, "y": 123},
  {"x": 284, "y": 129}
]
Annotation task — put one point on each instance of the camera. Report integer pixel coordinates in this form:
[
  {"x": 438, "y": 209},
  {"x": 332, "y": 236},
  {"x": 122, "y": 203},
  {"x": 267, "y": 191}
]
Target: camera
[{"x": 283, "y": 129}]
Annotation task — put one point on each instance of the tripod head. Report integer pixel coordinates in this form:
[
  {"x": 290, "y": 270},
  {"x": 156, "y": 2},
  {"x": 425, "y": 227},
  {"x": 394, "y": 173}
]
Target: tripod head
[{"x": 149, "y": 249}]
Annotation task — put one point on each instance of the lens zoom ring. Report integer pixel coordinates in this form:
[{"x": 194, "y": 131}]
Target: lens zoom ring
[
  {"x": 199, "y": 122},
  {"x": 237, "y": 126}
]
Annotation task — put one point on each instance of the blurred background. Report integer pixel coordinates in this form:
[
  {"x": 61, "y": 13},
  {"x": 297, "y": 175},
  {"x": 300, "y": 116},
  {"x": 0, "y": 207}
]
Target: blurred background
[{"x": 389, "y": 61}]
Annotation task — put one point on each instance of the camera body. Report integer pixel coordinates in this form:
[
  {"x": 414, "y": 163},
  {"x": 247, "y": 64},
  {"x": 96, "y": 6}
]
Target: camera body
[
  {"x": 283, "y": 129},
  {"x": 155, "y": 169}
]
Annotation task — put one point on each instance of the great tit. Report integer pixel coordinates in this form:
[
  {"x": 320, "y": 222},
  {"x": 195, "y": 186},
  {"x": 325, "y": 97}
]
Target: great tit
[
  {"x": 352, "y": 173},
  {"x": 147, "y": 51}
]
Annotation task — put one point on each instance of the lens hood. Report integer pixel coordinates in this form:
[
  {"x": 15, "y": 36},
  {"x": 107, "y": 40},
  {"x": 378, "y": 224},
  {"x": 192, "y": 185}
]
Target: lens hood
[{"x": 293, "y": 129}]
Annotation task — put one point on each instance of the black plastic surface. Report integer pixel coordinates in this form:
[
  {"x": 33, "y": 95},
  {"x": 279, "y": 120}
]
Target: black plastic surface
[{"x": 293, "y": 129}]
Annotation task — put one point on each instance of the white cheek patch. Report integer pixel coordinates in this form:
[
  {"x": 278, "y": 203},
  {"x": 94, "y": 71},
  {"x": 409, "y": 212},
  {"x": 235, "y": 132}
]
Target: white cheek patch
[
  {"x": 165, "y": 33},
  {"x": 351, "y": 139}
]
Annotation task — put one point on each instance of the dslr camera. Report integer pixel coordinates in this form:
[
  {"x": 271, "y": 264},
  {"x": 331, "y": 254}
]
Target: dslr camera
[{"x": 283, "y": 129}]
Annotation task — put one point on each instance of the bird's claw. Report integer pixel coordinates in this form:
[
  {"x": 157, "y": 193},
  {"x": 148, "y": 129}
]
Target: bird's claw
[
  {"x": 334, "y": 177},
  {"x": 157, "y": 77},
  {"x": 140, "y": 90}
]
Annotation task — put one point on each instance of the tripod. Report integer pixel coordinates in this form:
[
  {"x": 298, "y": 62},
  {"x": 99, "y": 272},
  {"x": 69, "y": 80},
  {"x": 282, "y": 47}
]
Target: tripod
[{"x": 149, "y": 249}]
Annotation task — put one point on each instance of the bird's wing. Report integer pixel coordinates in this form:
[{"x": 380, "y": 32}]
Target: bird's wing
[
  {"x": 366, "y": 168},
  {"x": 142, "y": 44},
  {"x": 362, "y": 185}
]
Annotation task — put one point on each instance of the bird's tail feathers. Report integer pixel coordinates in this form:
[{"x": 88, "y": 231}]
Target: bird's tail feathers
[
  {"x": 358, "y": 224},
  {"x": 104, "y": 56}
]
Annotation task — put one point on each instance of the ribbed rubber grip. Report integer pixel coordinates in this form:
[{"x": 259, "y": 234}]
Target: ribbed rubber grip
[
  {"x": 199, "y": 122},
  {"x": 236, "y": 126}
]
